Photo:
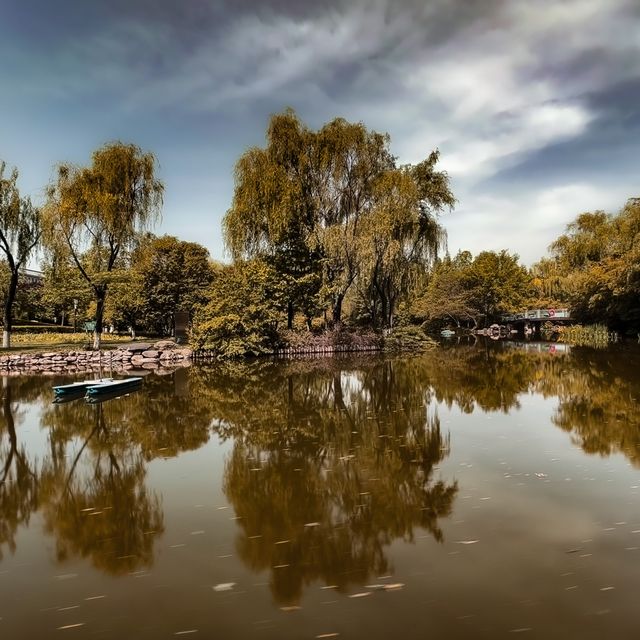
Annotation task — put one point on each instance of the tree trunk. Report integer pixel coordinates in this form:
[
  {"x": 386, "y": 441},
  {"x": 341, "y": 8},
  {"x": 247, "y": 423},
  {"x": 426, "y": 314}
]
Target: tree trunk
[
  {"x": 384, "y": 309},
  {"x": 290, "y": 313},
  {"x": 337, "y": 309},
  {"x": 97, "y": 331},
  {"x": 8, "y": 308}
]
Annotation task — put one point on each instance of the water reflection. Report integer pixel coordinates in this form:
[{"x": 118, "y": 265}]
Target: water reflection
[
  {"x": 329, "y": 468},
  {"x": 331, "y": 461},
  {"x": 18, "y": 482}
]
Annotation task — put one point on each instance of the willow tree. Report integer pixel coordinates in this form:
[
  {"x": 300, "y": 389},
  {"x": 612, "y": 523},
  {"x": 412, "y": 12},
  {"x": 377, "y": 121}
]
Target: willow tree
[
  {"x": 401, "y": 235},
  {"x": 93, "y": 213},
  {"x": 307, "y": 191},
  {"x": 19, "y": 235}
]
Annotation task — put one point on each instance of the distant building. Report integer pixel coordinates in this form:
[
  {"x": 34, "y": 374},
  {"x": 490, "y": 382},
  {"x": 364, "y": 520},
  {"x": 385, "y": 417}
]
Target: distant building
[{"x": 31, "y": 276}]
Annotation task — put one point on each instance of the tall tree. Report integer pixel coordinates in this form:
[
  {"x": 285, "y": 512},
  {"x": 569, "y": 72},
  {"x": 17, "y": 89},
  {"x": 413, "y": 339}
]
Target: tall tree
[
  {"x": 175, "y": 276},
  {"x": 316, "y": 188},
  {"x": 20, "y": 233},
  {"x": 94, "y": 213},
  {"x": 498, "y": 283},
  {"x": 598, "y": 258},
  {"x": 401, "y": 234}
]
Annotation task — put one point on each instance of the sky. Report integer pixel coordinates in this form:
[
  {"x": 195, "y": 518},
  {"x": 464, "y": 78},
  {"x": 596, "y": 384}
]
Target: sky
[{"x": 533, "y": 104}]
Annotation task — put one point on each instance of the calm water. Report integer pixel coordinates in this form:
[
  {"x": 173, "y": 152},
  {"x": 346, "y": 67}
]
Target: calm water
[{"x": 474, "y": 492}]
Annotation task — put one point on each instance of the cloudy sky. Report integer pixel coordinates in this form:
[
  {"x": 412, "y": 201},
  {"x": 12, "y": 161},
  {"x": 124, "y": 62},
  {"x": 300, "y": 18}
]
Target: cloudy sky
[{"x": 534, "y": 104}]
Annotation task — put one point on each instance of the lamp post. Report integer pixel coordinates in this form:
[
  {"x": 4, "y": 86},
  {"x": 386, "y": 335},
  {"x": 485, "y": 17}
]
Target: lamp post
[{"x": 75, "y": 311}]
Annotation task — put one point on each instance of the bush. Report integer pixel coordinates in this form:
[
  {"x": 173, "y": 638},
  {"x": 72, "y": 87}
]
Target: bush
[{"x": 408, "y": 338}]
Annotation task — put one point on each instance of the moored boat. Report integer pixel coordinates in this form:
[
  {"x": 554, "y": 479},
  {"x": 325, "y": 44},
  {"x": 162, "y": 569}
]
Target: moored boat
[
  {"x": 76, "y": 388},
  {"x": 112, "y": 386}
]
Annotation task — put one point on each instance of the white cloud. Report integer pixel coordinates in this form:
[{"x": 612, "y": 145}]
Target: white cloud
[{"x": 525, "y": 222}]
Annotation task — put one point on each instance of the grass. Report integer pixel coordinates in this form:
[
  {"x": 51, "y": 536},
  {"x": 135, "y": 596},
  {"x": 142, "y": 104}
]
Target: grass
[
  {"x": 59, "y": 341},
  {"x": 592, "y": 335}
]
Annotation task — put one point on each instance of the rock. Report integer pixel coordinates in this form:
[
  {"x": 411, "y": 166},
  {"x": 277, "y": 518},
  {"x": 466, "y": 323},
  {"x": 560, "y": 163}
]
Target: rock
[
  {"x": 151, "y": 354},
  {"x": 137, "y": 359},
  {"x": 165, "y": 345}
]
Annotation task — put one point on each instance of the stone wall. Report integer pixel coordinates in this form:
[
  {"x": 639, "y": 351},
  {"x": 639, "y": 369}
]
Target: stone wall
[{"x": 133, "y": 356}]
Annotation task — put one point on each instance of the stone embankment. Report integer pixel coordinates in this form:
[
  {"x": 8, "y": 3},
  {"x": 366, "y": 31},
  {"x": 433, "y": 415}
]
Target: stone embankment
[{"x": 165, "y": 353}]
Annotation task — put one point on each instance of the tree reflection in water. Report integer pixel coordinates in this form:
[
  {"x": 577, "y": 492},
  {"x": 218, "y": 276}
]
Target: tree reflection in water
[
  {"x": 18, "y": 481},
  {"x": 330, "y": 466},
  {"x": 334, "y": 459}
]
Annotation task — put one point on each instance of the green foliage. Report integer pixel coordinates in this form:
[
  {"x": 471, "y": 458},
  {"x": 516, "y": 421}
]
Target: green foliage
[
  {"x": 410, "y": 339},
  {"x": 598, "y": 260},
  {"x": 446, "y": 298},
  {"x": 20, "y": 232},
  {"x": 244, "y": 311},
  {"x": 168, "y": 275},
  {"x": 336, "y": 200},
  {"x": 94, "y": 213},
  {"x": 596, "y": 335},
  {"x": 466, "y": 290},
  {"x": 497, "y": 283}
]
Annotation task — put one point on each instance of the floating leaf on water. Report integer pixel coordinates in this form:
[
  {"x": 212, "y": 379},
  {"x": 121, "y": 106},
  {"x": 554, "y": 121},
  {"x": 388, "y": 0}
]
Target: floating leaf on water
[
  {"x": 328, "y": 635},
  {"x": 312, "y": 524},
  {"x": 71, "y": 626},
  {"x": 224, "y": 586},
  {"x": 197, "y": 533},
  {"x": 292, "y": 608},
  {"x": 467, "y": 541},
  {"x": 186, "y": 632},
  {"x": 607, "y": 588},
  {"x": 95, "y": 597},
  {"x": 362, "y": 594},
  {"x": 330, "y": 586}
]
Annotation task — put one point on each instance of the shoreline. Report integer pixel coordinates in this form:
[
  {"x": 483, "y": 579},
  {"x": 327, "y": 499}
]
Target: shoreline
[{"x": 125, "y": 358}]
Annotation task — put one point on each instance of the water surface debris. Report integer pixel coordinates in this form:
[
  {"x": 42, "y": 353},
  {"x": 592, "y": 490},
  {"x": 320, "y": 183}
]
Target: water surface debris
[
  {"x": 224, "y": 586},
  {"x": 71, "y": 626}
]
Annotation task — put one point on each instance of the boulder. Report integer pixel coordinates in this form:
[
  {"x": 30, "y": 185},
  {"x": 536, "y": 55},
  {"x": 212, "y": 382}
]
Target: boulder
[
  {"x": 165, "y": 345},
  {"x": 152, "y": 354}
]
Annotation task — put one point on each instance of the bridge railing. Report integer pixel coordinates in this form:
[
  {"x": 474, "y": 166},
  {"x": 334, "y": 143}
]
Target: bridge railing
[{"x": 538, "y": 314}]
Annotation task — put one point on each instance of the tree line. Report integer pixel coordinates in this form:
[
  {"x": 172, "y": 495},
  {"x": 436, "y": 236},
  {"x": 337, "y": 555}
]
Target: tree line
[{"x": 326, "y": 230}]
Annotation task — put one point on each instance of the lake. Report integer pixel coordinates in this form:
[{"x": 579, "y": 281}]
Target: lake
[{"x": 477, "y": 491}]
